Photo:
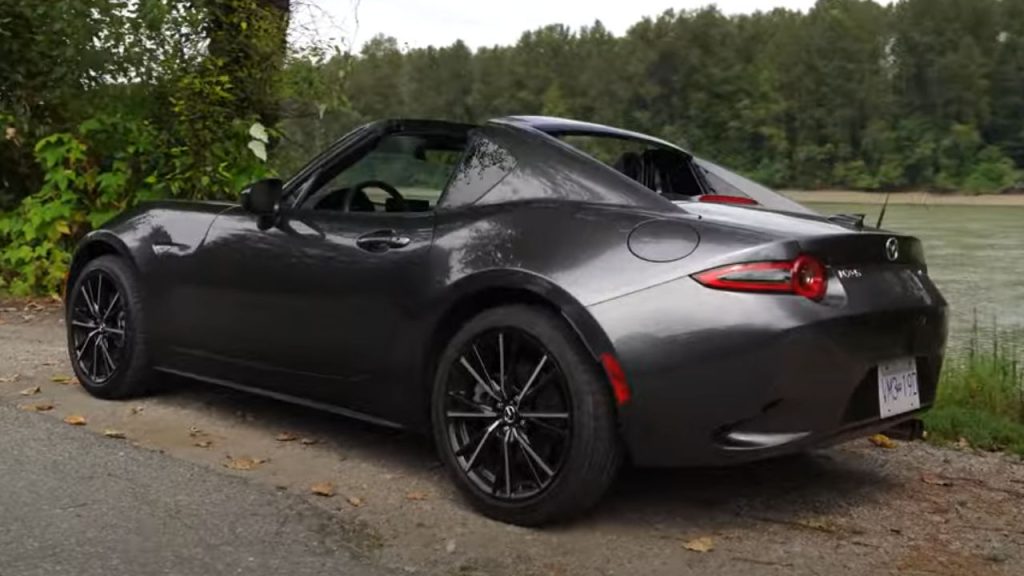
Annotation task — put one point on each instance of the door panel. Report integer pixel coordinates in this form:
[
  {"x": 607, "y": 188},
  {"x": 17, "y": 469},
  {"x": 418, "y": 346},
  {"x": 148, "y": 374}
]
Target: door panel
[{"x": 308, "y": 307}]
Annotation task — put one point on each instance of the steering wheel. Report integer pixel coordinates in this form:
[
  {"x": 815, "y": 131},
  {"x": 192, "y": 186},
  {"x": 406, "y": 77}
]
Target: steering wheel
[{"x": 399, "y": 199}]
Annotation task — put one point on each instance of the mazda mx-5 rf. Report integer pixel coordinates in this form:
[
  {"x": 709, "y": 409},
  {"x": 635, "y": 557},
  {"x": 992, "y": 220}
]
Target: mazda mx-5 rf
[{"x": 548, "y": 298}]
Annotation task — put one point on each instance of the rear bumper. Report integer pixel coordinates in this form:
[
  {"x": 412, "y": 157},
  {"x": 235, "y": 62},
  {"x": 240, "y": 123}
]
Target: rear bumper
[{"x": 747, "y": 377}]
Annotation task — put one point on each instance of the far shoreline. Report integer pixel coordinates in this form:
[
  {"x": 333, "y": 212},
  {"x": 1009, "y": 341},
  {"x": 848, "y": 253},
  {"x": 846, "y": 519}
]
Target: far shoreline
[{"x": 904, "y": 198}]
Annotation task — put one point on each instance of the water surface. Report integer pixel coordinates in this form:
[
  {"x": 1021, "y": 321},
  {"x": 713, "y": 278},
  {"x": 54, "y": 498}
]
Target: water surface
[{"x": 975, "y": 254}]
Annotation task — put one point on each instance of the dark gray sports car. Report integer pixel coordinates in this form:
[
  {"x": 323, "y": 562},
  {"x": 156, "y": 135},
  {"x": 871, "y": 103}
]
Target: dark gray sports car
[{"x": 549, "y": 298}]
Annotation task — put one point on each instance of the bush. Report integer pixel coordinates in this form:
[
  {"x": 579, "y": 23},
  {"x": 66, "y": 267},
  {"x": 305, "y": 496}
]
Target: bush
[
  {"x": 109, "y": 164},
  {"x": 981, "y": 396}
]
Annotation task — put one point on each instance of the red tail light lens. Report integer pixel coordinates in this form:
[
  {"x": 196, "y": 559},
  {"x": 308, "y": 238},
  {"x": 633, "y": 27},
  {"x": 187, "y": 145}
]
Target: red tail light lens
[
  {"x": 723, "y": 199},
  {"x": 805, "y": 276}
]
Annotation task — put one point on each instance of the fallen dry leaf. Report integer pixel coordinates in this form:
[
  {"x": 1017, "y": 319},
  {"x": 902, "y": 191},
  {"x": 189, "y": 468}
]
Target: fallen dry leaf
[
  {"x": 355, "y": 501},
  {"x": 309, "y": 441},
  {"x": 75, "y": 420},
  {"x": 203, "y": 444},
  {"x": 44, "y": 407},
  {"x": 882, "y": 441},
  {"x": 818, "y": 524},
  {"x": 30, "y": 391},
  {"x": 61, "y": 379},
  {"x": 935, "y": 480},
  {"x": 702, "y": 544},
  {"x": 244, "y": 463},
  {"x": 325, "y": 489},
  {"x": 8, "y": 379},
  {"x": 416, "y": 496},
  {"x": 195, "y": 432},
  {"x": 962, "y": 443},
  {"x": 135, "y": 410},
  {"x": 286, "y": 437},
  {"x": 111, "y": 433}
]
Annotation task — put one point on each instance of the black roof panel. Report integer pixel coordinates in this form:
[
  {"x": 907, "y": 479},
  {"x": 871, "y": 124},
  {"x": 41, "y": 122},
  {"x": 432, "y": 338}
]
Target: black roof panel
[{"x": 566, "y": 127}]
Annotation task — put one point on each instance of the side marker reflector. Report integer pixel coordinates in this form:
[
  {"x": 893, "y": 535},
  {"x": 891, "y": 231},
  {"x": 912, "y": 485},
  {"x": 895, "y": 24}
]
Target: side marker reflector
[{"x": 617, "y": 378}]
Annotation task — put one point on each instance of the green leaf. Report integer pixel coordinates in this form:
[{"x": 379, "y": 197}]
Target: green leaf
[
  {"x": 259, "y": 132},
  {"x": 259, "y": 149}
]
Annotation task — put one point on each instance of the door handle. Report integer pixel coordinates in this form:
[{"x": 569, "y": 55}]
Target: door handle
[{"x": 381, "y": 240}]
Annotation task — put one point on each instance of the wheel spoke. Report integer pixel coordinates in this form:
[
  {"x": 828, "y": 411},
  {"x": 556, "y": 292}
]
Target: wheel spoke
[
  {"x": 106, "y": 358},
  {"x": 525, "y": 443},
  {"x": 501, "y": 365},
  {"x": 467, "y": 402},
  {"x": 99, "y": 292},
  {"x": 82, "y": 346},
  {"x": 113, "y": 302},
  {"x": 87, "y": 325},
  {"x": 93, "y": 311},
  {"x": 480, "y": 446},
  {"x": 529, "y": 462},
  {"x": 508, "y": 469},
  {"x": 94, "y": 373},
  {"x": 467, "y": 415},
  {"x": 533, "y": 377},
  {"x": 545, "y": 415},
  {"x": 483, "y": 367},
  {"x": 483, "y": 384},
  {"x": 548, "y": 427}
]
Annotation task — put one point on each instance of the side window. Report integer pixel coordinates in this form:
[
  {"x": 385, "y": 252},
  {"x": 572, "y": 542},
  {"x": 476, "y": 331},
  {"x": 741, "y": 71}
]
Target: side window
[
  {"x": 485, "y": 165},
  {"x": 403, "y": 173}
]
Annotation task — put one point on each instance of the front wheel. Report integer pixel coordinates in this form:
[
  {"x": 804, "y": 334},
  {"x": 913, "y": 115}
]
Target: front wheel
[
  {"x": 523, "y": 419},
  {"x": 107, "y": 343}
]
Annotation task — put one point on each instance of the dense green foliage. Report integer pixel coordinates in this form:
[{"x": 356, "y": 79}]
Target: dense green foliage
[
  {"x": 981, "y": 396},
  {"x": 108, "y": 102}
]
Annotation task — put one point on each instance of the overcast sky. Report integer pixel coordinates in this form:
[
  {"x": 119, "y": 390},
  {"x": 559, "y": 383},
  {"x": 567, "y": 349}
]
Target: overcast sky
[{"x": 488, "y": 22}]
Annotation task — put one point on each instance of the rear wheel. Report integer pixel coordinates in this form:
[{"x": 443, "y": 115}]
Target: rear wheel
[
  {"x": 106, "y": 339},
  {"x": 522, "y": 418}
]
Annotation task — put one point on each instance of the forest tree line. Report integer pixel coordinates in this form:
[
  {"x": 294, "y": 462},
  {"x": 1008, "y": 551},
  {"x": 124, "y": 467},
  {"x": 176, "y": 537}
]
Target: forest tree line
[{"x": 925, "y": 94}]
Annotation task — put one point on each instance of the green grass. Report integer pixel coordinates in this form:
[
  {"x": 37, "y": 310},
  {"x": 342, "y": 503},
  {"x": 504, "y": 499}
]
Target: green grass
[{"x": 981, "y": 395}]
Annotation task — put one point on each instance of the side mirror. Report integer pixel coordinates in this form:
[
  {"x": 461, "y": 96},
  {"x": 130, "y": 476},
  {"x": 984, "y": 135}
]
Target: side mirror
[{"x": 262, "y": 197}]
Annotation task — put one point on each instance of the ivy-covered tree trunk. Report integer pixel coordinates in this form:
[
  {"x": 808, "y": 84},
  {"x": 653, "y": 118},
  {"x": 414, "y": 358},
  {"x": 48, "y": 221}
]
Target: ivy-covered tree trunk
[{"x": 248, "y": 41}]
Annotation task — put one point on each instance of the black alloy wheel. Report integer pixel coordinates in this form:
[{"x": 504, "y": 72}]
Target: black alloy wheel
[
  {"x": 523, "y": 418},
  {"x": 107, "y": 342},
  {"x": 99, "y": 327},
  {"x": 508, "y": 414}
]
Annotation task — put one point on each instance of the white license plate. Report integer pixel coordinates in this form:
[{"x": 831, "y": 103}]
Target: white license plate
[{"x": 897, "y": 387}]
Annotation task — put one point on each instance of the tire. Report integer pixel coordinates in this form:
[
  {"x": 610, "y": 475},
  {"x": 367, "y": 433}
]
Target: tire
[
  {"x": 122, "y": 341},
  {"x": 584, "y": 454}
]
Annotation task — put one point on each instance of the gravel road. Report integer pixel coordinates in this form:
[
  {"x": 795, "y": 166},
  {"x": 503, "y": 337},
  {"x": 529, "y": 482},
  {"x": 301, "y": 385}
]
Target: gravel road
[
  {"x": 74, "y": 503},
  {"x": 854, "y": 509}
]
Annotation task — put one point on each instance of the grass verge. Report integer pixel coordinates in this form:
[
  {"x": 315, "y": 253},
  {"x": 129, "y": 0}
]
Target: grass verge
[{"x": 981, "y": 395}]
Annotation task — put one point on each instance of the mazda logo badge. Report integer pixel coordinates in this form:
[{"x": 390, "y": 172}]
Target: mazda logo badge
[{"x": 892, "y": 249}]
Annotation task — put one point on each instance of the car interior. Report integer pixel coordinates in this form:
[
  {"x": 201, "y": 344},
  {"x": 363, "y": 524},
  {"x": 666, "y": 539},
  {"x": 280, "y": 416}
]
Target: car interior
[
  {"x": 665, "y": 171},
  {"x": 404, "y": 172}
]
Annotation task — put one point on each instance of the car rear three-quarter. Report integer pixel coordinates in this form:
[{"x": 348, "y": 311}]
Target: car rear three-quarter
[
  {"x": 782, "y": 333},
  {"x": 546, "y": 312}
]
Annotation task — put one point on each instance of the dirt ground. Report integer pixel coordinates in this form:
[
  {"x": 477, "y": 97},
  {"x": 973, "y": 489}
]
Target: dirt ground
[{"x": 855, "y": 509}]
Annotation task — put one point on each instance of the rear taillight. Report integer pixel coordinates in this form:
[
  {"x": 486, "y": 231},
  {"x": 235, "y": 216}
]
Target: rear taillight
[{"x": 805, "y": 276}]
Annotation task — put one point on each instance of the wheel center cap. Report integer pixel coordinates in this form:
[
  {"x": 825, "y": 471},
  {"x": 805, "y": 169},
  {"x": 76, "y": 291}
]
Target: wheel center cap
[{"x": 510, "y": 414}]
